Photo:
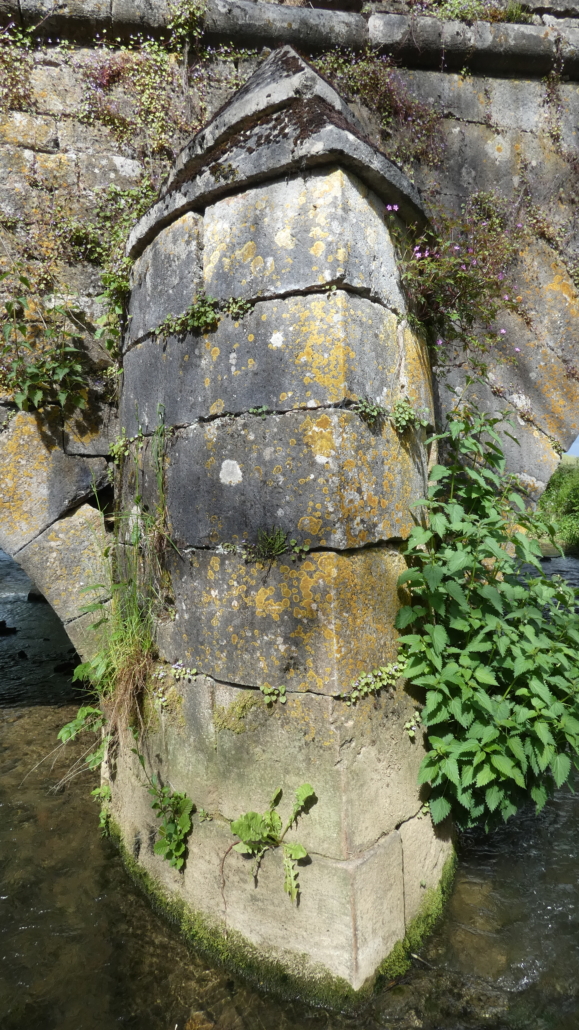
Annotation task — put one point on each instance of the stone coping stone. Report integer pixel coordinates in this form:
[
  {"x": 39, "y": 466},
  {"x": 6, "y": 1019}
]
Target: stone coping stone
[
  {"x": 38, "y": 481},
  {"x": 312, "y": 625},
  {"x": 228, "y": 749},
  {"x": 67, "y": 559},
  {"x": 324, "y": 477},
  {"x": 304, "y": 125},
  {"x": 321, "y": 228},
  {"x": 280, "y": 80},
  {"x": 305, "y": 351}
]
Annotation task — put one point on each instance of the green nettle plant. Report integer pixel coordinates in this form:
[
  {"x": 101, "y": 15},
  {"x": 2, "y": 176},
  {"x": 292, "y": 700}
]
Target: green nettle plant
[
  {"x": 39, "y": 361},
  {"x": 174, "y": 809},
  {"x": 493, "y": 645},
  {"x": 260, "y": 833}
]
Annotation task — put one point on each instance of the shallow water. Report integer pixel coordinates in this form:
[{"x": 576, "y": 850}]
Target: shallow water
[{"x": 81, "y": 949}]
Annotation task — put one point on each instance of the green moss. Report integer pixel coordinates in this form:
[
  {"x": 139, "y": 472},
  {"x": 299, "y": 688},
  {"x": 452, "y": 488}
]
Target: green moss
[
  {"x": 315, "y": 987},
  {"x": 399, "y": 960},
  {"x": 234, "y": 953},
  {"x": 232, "y": 717}
]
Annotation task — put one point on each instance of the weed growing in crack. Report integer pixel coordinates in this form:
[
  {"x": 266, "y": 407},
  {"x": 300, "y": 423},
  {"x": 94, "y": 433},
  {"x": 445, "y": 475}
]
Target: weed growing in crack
[{"x": 261, "y": 833}]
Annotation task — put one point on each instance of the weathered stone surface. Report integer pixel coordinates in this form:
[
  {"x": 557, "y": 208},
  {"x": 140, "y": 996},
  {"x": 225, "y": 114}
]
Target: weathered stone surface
[
  {"x": 312, "y": 625},
  {"x": 91, "y": 432},
  {"x": 38, "y": 482},
  {"x": 143, "y": 13},
  {"x": 19, "y": 128},
  {"x": 98, "y": 171},
  {"x": 325, "y": 228},
  {"x": 56, "y": 89},
  {"x": 312, "y": 351},
  {"x": 351, "y": 913},
  {"x": 324, "y": 477},
  {"x": 166, "y": 278},
  {"x": 425, "y": 849},
  {"x": 67, "y": 559},
  {"x": 85, "y": 635},
  {"x": 267, "y": 23},
  {"x": 228, "y": 750}
]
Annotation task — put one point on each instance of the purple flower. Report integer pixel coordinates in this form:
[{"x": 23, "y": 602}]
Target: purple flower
[
  {"x": 519, "y": 225},
  {"x": 456, "y": 247},
  {"x": 500, "y": 276},
  {"x": 388, "y": 207},
  {"x": 503, "y": 332},
  {"x": 506, "y": 296},
  {"x": 518, "y": 350},
  {"x": 473, "y": 262},
  {"x": 463, "y": 268},
  {"x": 395, "y": 207}
]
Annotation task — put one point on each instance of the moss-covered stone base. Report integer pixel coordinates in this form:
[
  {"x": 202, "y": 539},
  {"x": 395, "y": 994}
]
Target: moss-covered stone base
[
  {"x": 232, "y": 951},
  {"x": 400, "y": 958}
]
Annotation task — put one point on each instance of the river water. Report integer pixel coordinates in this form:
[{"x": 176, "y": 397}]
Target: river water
[{"x": 81, "y": 949}]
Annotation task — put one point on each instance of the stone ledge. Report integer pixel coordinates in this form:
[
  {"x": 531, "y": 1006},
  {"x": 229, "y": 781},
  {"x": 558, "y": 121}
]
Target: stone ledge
[{"x": 497, "y": 48}]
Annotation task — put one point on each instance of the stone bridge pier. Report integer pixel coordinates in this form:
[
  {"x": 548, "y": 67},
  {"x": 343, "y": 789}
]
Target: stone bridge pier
[{"x": 282, "y": 204}]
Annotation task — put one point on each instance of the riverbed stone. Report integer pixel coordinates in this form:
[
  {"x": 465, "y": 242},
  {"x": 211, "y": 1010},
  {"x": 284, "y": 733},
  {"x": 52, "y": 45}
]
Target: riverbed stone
[
  {"x": 325, "y": 478},
  {"x": 67, "y": 560},
  {"x": 166, "y": 278},
  {"x": 305, "y": 351},
  {"x": 305, "y": 231},
  {"x": 38, "y": 482},
  {"x": 310, "y": 625}
]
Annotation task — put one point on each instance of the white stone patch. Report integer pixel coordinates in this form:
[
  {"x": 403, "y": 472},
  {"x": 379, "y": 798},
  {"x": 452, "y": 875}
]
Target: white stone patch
[
  {"x": 277, "y": 340},
  {"x": 321, "y": 460},
  {"x": 230, "y": 472}
]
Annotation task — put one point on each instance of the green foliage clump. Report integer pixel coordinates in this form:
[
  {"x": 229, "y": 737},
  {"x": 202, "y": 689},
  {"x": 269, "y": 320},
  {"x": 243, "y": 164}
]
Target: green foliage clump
[
  {"x": 368, "y": 684},
  {"x": 15, "y": 68},
  {"x": 480, "y": 10},
  {"x": 494, "y": 649},
  {"x": 403, "y": 416},
  {"x": 560, "y": 504},
  {"x": 260, "y": 833},
  {"x": 39, "y": 362},
  {"x": 456, "y": 278},
  {"x": 271, "y": 544},
  {"x": 87, "y": 720},
  {"x": 203, "y": 315},
  {"x": 369, "y": 411},
  {"x": 410, "y": 127},
  {"x": 174, "y": 810}
]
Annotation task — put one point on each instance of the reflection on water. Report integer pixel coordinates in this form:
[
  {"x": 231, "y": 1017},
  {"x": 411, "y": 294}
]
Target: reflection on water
[{"x": 81, "y": 949}]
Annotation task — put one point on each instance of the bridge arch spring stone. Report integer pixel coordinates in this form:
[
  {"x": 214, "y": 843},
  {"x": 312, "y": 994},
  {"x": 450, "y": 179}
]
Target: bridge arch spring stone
[{"x": 282, "y": 203}]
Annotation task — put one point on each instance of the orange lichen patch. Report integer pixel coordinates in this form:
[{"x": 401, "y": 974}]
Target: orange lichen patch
[
  {"x": 244, "y": 626},
  {"x": 38, "y": 482}
]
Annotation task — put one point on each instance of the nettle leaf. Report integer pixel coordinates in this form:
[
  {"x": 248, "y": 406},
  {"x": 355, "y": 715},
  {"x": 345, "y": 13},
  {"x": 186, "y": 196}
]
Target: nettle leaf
[
  {"x": 486, "y": 775},
  {"x": 455, "y": 590},
  {"x": 493, "y": 797},
  {"x": 405, "y": 617},
  {"x": 433, "y": 576},
  {"x": 439, "y": 638},
  {"x": 561, "y": 767},
  {"x": 440, "y": 808},
  {"x": 458, "y": 560},
  {"x": 485, "y": 675},
  {"x": 491, "y": 594}
]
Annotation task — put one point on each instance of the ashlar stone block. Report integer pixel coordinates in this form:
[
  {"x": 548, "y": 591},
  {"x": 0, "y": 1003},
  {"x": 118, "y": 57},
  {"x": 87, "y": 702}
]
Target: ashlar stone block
[
  {"x": 165, "y": 279},
  {"x": 324, "y": 477},
  {"x": 299, "y": 233},
  {"x": 305, "y": 351},
  {"x": 229, "y": 749},
  {"x": 351, "y": 912},
  {"x": 67, "y": 559},
  {"x": 38, "y": 482},
  {"x": 311, "y": 625}
]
